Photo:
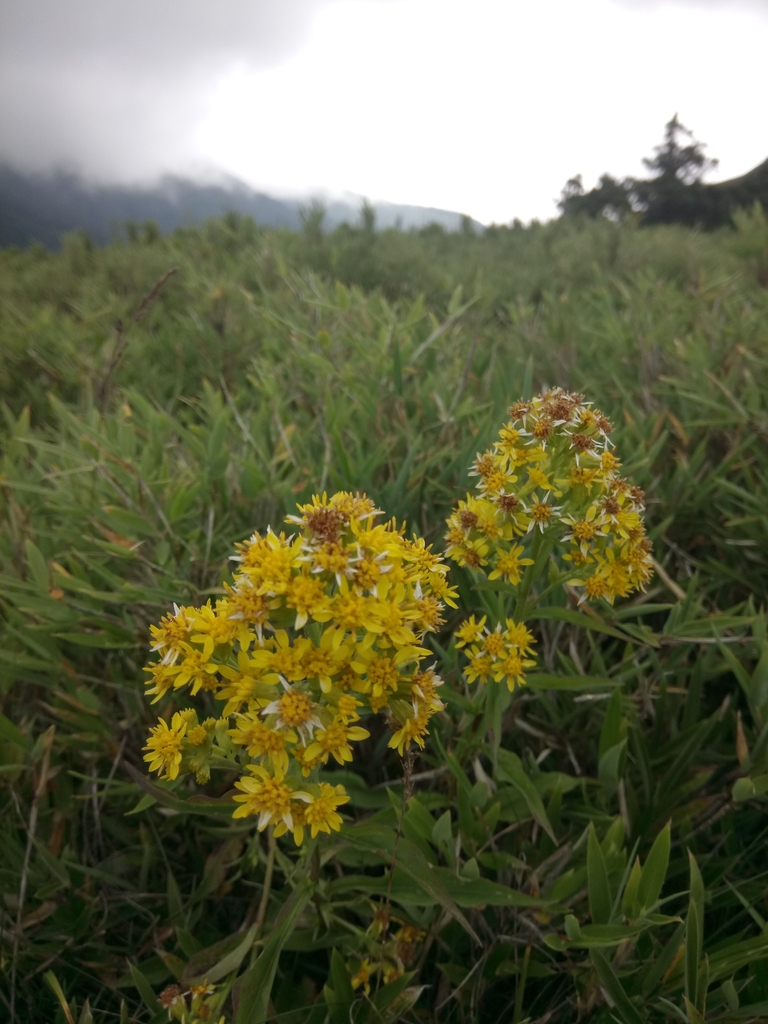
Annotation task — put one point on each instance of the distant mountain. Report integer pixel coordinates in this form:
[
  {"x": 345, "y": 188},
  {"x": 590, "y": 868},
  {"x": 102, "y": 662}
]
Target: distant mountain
[
  {"x": 43, "y": 207},
  {"x": 725, "y": 197}
]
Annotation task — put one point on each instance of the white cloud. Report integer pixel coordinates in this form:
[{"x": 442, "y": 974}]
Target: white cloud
[
  {"x": 484, "y": 107},
  {"x": 489, "y": 108}
]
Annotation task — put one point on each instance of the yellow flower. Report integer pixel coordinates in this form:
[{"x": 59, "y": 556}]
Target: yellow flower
[
  {"x": 262, "y": 740},
  {"x": 329, "y": 659},
  {"x": 493, "y": 643},
  {"x": 539, "y": 478},
  {"x": 306, "y": 764},
  {"x": 268, "y": 561},
  {"x": 519, "y": 636},
  {"x": 170, "y": 635},
  {"x": 298, "y": 814},
  {"x": 163, "y": 678},
  {"x": 469, "y": 632},
  {"x": 580, "y": 476},
  {"x": 364, "y": 596},
  {"x": 424, "y": 691},
  {"x": 512, "y": 668},
  {"x": 541, "y": 513},
  {"x": 413, "y": 729},
  {"x": 295, "y": 710},
  {"x": 608, "y": 462},
  {"x": 197, "y": 736},
  {"x": 248, "y": 606},
  {"x": 197, "y": 669},
  {"x": 379, "y": 677},
  {"x": 353, "y": 611},
  {"x": 347, "y": 706},
  {"x": 211, "y": 627},
  {"x": 320, "y": 814},
  {"x": 442, "y": 590},
  {"x": 508, "y": 564},
  {"x": 266, "y": 795},
  {"x": 508, "y": 440},
  {"x": 367, "y": 572},
  {"x": 362, "y": 976},
  {"x": 307, "y": 596},
  {"x": 281, "y": 658},
  {"x": 595, "y": 586},
  {"x": 243, "y": 684},
  {"x": 164, "y": 746},
  {"x": 480, "y": 666},
  {"x": 335, "y": 740},
  {"x": 425, "y": 560}
]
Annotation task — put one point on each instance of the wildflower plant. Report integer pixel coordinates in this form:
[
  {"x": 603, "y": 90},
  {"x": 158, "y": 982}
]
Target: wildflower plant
[
  {"x": 197, "y": 1004},
  {"x": 549, "y": 499},
  {"x": 318, "y": 629}
]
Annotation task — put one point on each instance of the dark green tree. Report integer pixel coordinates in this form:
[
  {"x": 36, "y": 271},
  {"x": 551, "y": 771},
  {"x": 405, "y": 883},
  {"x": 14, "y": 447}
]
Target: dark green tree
[
  {"x": 610, "y": 198},
  {"x": 675, "y": 192},
  {"x": 685, "y": 163}
]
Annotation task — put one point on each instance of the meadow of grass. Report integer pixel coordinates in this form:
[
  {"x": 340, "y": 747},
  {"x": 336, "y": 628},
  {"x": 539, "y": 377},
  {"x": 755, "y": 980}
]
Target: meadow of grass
[{"x": 152, "y": 419}]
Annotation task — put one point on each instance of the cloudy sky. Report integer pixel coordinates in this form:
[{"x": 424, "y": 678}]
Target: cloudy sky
[{"x": 480, "y": 106}]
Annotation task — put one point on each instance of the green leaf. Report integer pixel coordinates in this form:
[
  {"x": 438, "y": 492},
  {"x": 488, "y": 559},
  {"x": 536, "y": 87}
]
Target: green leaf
[
  {"x": 614, "y": 728},
  {"x": 228, "y": 963},
  {"x": 694, "y": 1017},
  {"x": 145, "y": 989},
  {"x": 252, "y": 991},
  {"x": 101, "y": 640},
  {"x": 591, "y": 622},
  {"x": 397, "y": 367},
  {"x": 175, "y": 902},
  {"x": 412, "y": 861},
  {"x": 611, "y": 983},
  {"x": 573, "y": 684},
  {"x": 654, "y": 870},
  {"x": 610, "y": 767},
  {"x": 692, "y": 952},
  {"x": 442, "y": 831},
  {"x": 477, "y": 892},
  {"x": 86, "y": 1017},
  {"x": 53, "y": 981},
  {"x": 597, "y": 881},
  {"x": 658, "y": 968},
  {"x": 694, "y": 931},
  {"x": 339, "y": 998},
  {"x": 592, "y": 936},
  {"x": 198, "y": 804},
  {"x": 38, "y": 567},
  {"x": 145, "y": 802},
  {"x": 10, "y": 732},
  {"x": 388, "y": 994},
  {"x": 510, "y": 769}
]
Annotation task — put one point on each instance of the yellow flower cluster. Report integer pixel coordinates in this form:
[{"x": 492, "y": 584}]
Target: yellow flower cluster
[
  {"x": 554, "y": 470},
  {"x": 199, "y": 1004},
  {"x": 316, "y": 630},
  {"x": 498, "y": 654},
  {"x": 550, "y": 482},
  {"x": 392, "y": 953}
]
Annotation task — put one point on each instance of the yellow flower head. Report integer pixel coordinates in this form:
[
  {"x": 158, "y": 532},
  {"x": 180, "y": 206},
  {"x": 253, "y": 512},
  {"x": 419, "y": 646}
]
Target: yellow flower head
[
  {"x": 315, "y": 630},
  {"x": 320, "y": 813},
  {"x": 164, "y": 746},
  {"x": 568, "y": 457}
]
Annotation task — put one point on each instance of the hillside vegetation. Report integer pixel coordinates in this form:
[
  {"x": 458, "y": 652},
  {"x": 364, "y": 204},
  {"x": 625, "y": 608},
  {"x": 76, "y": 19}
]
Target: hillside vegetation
[{"x": 163, "y": 399}]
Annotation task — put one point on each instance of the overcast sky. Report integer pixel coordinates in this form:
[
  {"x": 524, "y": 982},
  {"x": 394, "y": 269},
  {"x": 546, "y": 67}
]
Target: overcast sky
[{"x": 480, "y": 106}]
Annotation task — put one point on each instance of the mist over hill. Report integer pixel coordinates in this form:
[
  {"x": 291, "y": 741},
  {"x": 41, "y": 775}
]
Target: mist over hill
[{"x": 41, "y": 208}]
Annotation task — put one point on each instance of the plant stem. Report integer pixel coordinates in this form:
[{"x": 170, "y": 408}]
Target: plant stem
[
  {"x": 531, "y": 574},
  {"x": 268, "y": 872}
]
